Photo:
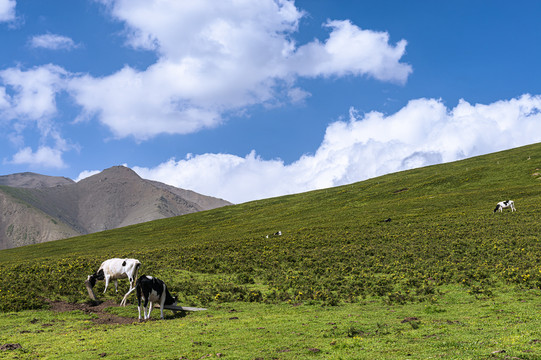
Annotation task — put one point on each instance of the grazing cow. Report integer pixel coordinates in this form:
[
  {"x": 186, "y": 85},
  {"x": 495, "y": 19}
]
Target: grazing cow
[
  {"x": 278, "y": 233},
  {"x": 151, "y": 289},
  {"x": 505, "y": 204},
  {"x": 114, "y": 269}
]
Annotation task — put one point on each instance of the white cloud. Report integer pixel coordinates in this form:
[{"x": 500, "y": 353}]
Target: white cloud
[
  {"x": 217, "y": 57},
  {"x": 45, "y": 157},
  {"x": 226, "y": 176},
  {"x": 424, "y": 132},
  {"x": 52, "y": 42},
  {"x": 7, "y": 10},
  {"x": 28, "y": 103},
  {"x": 133, "y": 103},
  {"x": 351, "y": 50},
  {"x": 205, "y": 28},
  {"x": 34, "y": 91}
]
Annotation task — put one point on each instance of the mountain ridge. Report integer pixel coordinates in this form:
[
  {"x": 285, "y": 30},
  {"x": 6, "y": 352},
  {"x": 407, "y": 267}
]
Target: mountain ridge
[{"x": 33, "y": 180}]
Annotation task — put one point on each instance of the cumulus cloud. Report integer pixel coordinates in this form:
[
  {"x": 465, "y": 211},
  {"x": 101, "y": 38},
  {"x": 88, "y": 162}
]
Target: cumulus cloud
[
  {"x": 52, "y": 42},
  {"x": 424, "y": 132},
  {"x": 28, "y": 101},
  {"x": 43, "y": 157},
  {"x": 226, "y": 176},
  {"x": 7, "y": 10},
  {"x": 350, "y": 50},
  {"x": 132, "y": 103},
  {"x": 217, "y": 57},
  {"x": 33, "y": 91}
]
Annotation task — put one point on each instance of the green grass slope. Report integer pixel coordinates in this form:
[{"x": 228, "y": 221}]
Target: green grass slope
[{"x": 335, "y": 245}]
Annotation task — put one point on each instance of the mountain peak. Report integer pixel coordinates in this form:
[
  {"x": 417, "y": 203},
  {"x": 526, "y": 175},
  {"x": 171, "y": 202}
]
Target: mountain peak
[
  {"x": 114, "y": 173},
  {"x": 119, "y": 171}
]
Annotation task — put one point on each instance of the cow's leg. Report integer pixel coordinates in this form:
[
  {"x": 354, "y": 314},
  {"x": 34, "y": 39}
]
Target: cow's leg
[
  {"x": 106, "y": 283},
  {"x": 162, "y": 301},
  {"x": 150, "y": 306},
  {"x": 145, "y": 308},
  {"x": 116, "y": 285},
  {"x": 125, "y": 298}
]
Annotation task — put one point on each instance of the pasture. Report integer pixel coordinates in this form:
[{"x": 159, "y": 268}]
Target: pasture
[{"x": 446, "y": 277}]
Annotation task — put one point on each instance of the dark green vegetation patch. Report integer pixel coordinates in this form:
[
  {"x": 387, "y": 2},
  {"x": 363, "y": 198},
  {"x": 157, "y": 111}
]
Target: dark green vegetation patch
[{"x": 399, "y": 237}]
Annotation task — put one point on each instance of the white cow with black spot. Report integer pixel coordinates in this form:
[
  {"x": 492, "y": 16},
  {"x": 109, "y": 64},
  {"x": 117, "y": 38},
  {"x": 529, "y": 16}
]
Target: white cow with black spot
[
  {"x": 505, "y": 204},
  {"x": 115, "y": 269}
]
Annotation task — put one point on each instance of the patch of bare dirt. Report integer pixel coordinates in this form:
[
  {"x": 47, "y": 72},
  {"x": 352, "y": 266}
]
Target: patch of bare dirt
[
  {"x": 6, "y": 347},
  {"x": 98, "y": 309},
  {"x": 409, "y": 319}
]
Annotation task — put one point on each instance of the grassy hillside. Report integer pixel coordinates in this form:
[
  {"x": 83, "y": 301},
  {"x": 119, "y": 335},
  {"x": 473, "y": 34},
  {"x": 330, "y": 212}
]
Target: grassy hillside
[
  {"x": 335, "y": 245},
  {"x": 445, "y": 278}
]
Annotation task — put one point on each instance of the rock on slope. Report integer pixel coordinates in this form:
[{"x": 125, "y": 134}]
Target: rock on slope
[{"x": 37, "y": 208}]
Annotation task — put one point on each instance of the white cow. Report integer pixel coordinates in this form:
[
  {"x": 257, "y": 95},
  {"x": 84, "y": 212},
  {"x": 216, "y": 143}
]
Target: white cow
[
  {"x": 505, "y": 204},
  {"x": 114, "y": 269}
]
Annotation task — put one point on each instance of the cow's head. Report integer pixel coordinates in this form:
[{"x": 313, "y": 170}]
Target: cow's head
[{"x": 92, "y": 280}]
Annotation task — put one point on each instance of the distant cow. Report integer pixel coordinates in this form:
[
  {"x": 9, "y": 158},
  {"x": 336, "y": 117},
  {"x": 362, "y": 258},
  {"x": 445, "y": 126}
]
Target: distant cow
[
  {"x": 505, "y": 204},
  {"x": 278, "y": 233},
  {"x": 151, "y": 289},
  {"x": 114, "y": 269}
]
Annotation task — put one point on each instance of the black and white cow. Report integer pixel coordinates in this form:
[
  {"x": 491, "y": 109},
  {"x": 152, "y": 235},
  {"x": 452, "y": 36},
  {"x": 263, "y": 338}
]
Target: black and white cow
[
  {"x": 114, "y": 269},
  {"x": 505, "y": 204},
  {"x": 151, "y": 289}
]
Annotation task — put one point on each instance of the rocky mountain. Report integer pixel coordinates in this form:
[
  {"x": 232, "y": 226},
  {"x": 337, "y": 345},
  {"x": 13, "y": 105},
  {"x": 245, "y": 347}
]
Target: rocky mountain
[{"x": 36, "y": 208}]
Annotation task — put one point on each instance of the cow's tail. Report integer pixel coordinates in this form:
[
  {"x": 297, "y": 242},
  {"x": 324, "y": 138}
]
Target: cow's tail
[
  {"x": 139, "y": 291},
  {"x": 137, "y": 266}
]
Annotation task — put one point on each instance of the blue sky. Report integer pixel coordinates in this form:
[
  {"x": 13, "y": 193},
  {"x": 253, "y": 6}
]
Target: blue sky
[{"x": 252, "y": 99}]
